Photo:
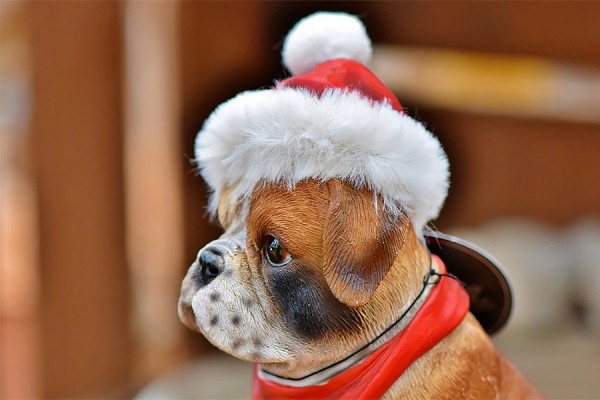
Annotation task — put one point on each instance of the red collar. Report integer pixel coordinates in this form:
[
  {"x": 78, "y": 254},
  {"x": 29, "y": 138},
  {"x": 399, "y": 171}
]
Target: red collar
[{"x": 443, "y": 311}]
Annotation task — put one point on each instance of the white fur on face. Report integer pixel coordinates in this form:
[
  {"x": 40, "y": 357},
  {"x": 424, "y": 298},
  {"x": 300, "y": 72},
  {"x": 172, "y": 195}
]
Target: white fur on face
[{"x": 237, "y": 318}]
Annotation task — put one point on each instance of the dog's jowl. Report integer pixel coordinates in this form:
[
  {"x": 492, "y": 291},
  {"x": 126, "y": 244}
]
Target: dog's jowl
[{"x": 327, "y": 275}]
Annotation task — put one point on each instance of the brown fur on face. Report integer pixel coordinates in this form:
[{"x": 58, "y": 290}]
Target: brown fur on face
[{"x": 359, "y": 239}]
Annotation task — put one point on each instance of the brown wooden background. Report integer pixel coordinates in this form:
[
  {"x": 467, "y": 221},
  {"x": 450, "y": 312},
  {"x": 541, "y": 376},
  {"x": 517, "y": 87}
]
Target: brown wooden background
[{"x": 91, "y": 334}]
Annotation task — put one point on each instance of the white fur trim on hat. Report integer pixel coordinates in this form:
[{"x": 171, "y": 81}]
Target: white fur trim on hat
[
  {"x": 325, "y": 36},
  {"x": 288, "y": 135}
]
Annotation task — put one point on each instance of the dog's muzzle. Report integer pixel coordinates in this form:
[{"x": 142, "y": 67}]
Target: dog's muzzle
[{"x": 210, "y": 263}]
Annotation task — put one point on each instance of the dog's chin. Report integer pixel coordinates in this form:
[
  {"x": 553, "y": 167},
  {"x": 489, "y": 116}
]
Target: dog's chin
[
  {"x": 228, "y": 315},
  {"x": 249, "y": 351}
]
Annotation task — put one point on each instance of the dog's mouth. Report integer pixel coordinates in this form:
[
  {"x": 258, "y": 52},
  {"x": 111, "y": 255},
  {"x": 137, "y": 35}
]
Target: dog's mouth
[
  {"x": 274, "y": 366},
  {"x": 186, "y": 315}
]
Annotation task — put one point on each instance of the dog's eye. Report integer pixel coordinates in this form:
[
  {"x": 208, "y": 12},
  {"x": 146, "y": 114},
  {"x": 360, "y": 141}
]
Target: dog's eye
[{"x": 275, "y": 253}]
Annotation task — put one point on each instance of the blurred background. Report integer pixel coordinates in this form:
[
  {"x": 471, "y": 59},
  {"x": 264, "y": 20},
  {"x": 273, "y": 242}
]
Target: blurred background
[{"x": 101, "y": 212}]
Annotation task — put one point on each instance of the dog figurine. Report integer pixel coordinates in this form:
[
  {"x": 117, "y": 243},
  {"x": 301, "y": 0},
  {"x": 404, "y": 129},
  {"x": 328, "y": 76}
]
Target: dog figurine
[{"x": 325, "y": 275}]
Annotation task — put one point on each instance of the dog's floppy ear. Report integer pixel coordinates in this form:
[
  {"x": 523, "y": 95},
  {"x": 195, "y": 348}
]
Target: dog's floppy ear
[{"x": 360, "y": 242}]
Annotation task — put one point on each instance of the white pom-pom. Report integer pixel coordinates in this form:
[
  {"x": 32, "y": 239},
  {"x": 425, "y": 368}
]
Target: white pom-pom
[{"x": 325, "y": 36}]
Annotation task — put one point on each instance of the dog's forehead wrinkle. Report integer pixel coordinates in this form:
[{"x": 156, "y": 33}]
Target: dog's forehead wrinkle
[
  {"x": 234, "y": 240},
  {"x": 236, "y": 231},
  {"x": 232, "y": 212}
]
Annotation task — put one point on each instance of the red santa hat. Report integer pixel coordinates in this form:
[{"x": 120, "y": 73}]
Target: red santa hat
[{"x": 332, "y": 119}]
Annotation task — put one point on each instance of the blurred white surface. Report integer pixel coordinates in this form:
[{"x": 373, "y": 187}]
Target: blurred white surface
[{"x": 214, "y": 377}]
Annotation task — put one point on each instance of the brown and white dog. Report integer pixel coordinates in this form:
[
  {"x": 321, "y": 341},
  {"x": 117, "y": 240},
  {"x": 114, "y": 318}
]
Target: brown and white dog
[
  {"x": 310, "y": 275},
  {"x": 323, "y": 186}
]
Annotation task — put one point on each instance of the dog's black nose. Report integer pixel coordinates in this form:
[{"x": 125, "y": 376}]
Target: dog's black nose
[{"x": 211, "y": 264}]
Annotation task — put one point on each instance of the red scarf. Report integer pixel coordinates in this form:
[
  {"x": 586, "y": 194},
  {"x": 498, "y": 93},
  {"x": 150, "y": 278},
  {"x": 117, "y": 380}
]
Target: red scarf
[{"x": 444, "y": 309}]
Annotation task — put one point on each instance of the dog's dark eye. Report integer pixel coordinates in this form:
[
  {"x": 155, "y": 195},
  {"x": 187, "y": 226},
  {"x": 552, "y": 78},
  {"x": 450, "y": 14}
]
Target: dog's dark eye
[{"x": 275, "y": 253}]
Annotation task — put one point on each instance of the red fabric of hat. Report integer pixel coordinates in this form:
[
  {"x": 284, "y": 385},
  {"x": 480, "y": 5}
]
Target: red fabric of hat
[{"x": 343, "y": 74}]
